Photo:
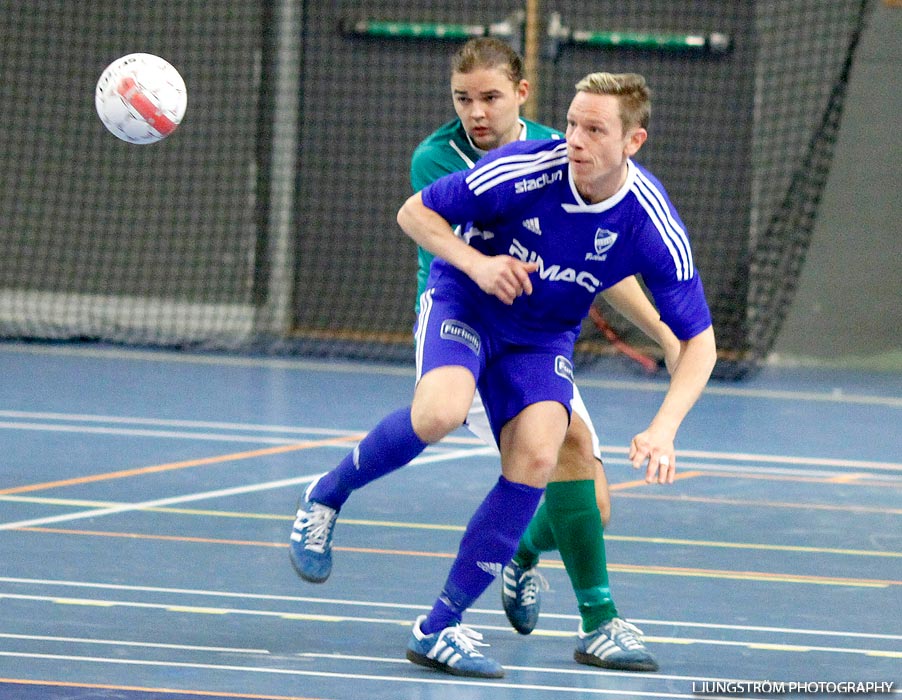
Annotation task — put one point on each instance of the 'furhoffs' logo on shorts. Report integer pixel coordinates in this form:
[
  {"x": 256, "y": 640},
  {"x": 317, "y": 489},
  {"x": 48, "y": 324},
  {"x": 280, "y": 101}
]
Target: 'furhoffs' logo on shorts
[
  {"x": 563, "y": 368},
  {"x": 462, "y": 333}
]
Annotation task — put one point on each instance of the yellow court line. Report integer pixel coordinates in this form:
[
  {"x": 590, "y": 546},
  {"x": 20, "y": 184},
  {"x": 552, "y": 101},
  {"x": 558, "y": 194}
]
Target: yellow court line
[
  {"x": 82, "y": 601},
  {"x": 623, "y": 568},
  {"x": 848, "y": 479},
  {"x": 234, "y": 456},
  {"x": 148, "y": 689},
  {"x": 196, "y": 610},
  {"x": 801, "y": 549},
  {"x": 307, "y": 617},
  {"x": 673, "y": 541},
  {"x": 752, "y": 576}
]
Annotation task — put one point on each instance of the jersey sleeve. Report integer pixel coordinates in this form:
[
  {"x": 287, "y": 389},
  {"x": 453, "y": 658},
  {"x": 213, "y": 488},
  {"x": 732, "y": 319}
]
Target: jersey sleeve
[
  {"x": 683, "y": 307},
  {"x": 451, "y": 197},
  {"x": 486, "y": 192},
  {"x": 670, "y": 275},
  {"x": 426, "y": 166},
  {"x": 667, "y": 264}
]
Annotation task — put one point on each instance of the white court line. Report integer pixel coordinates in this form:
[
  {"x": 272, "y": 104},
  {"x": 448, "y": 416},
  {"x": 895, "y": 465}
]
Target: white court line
[
  {"x": 749, "y": 469},
  {"x": 413, "y": 609},
  {"x": 606, "y": 673},
  {"x": 127, "y": 643},
  {"x": 341, "y": 367},
  {"x": 685, "y": 465},
  {"x": 321, "y": 618},
  {"x": 134, "y": 432},
  {"x": 419, "y": 679},
  {"x": 353, "y": 657},
  {"x": 315, "y": 430},
  {"x": 784, "y": 459},
  {"x": 833, "y": 396},
  {"x": 173, "y": 423},
  {"x": 862, "y": 473},
  {"x": 221, "y": 493}
]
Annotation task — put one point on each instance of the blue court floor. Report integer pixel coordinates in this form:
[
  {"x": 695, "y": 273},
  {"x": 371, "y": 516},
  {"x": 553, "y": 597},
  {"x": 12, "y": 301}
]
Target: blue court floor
[{"x": 146, "y": 499}]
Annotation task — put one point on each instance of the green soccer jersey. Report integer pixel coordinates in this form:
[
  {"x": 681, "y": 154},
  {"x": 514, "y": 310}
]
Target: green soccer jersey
[{"x": 447, "y": 150}]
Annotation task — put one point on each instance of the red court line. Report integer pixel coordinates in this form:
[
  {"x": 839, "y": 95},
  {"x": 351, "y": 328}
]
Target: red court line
[
  {"x": 764, "y": 576},
  {"x": 623, "y": 485},
  {"x": 182, "y": 465},
  {"x": 140, "y": 689},
  {"x": 213, "y": 540}
]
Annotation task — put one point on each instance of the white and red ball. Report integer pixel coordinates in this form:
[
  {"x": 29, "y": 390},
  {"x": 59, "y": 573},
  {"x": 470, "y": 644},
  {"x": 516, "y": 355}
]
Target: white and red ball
[{"x": 141, "y": 98}]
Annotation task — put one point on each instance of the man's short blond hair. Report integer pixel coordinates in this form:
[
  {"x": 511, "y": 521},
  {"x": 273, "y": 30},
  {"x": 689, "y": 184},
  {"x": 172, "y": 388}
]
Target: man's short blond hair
[{"x": 631, "y": 91}]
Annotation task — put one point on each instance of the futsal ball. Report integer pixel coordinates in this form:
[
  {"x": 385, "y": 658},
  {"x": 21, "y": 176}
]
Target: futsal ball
[{"x": 141, "y": 98}]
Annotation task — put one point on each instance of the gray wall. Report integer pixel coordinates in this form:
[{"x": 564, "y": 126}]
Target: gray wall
[{"x": 848, "y": 308}]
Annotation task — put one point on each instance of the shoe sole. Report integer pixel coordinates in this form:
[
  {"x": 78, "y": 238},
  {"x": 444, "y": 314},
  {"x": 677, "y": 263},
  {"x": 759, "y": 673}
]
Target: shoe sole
[
  {"x": 582, "y": 657},
  {"x": 422, "y": 660},
  {"x": 307, "y": 577}
]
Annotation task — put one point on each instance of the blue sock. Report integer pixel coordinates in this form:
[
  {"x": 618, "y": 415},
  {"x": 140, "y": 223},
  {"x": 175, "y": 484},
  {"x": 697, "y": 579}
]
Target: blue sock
[
  {"x": 388, "y": 446},
  {"x": 487, "y": 545}
]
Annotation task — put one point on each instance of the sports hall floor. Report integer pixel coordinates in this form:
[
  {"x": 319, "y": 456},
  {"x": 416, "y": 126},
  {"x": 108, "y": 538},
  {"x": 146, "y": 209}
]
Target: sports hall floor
[{"x": 146, "y": 499}]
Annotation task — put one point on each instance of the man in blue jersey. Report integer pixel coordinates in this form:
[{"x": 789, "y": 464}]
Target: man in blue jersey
[
  {"x": 487, "y": 90},
  {"x": 551, "y": 224}
]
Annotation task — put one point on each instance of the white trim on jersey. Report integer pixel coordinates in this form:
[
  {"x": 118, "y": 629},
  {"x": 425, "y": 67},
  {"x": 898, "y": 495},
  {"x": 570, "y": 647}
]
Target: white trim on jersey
[
  {"x": 520, "y": 137},
  {"x": 674, "y": 237},
  {"x": 510, "y": 167},
  {"x": 582, "y": 206},
  {"x": 462, "y": 155}
]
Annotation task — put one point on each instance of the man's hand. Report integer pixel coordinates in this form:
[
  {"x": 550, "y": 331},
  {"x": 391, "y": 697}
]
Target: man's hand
[
  {"x": 504, "y": 277},
  {"x": 660, "y": 453}
]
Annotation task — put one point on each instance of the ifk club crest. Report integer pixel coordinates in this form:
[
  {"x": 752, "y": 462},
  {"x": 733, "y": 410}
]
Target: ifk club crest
[{"x": 604, "y": 240}]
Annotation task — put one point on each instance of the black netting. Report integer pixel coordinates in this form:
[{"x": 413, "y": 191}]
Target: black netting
[
  {"x": 106, "y": 239},
  {"x": 267, "y": 221}
]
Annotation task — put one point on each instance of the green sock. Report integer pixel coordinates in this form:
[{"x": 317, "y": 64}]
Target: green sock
[
  {"x": 538, "y": 538},
  {"x": 576, "y": 523}
]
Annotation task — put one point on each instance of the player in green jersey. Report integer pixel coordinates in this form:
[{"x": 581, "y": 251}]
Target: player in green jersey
[
  {"x": 454, "y": 147},
  {"x": 488, "y": 88}
]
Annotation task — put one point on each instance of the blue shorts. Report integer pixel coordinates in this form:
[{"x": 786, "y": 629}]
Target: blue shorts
[{"x": 510, "y": 376}]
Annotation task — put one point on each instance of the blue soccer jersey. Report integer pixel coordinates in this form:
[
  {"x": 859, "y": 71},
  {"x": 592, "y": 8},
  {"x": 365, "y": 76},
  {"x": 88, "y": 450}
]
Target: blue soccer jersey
[{"x": 520, "y": 200}]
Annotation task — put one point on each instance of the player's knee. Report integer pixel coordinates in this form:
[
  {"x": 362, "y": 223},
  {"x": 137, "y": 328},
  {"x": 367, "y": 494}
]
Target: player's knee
[
  {"x": 576, "y": 459},
  {"x": 540, "y": 463},
  {"x": 432, "y": 423},
  {"x": 578, "y": 443}
]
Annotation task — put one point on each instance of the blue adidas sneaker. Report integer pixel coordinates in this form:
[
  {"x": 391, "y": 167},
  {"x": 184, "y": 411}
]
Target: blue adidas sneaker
[
  {"x": 617, "y": 645},
  {"x": 520, "y": 596},
  {"x": 310, "y": 547},
  {"x": 452, "y": 650}
]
